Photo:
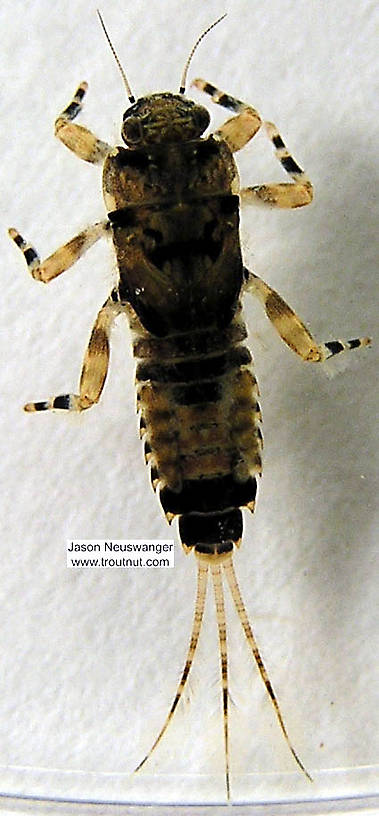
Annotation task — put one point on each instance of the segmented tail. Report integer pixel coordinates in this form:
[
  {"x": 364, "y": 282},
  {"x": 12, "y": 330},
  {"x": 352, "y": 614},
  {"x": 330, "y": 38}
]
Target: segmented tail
[
  {"x": 220, "y": 564},
  {"x": 202, "y": 580},
  {"x": 242, "y": 614}
]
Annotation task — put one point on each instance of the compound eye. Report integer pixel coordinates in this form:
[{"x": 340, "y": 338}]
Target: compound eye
[
  {"x": 202, "y": 118},
  {"x": 132, "y": 130}
]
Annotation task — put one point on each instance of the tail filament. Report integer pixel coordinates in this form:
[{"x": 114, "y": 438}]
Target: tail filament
[{"x": 219, "y": 565}]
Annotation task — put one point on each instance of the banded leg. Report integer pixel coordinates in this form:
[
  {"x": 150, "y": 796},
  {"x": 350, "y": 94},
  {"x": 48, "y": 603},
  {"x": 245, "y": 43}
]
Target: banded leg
[
  {"x": 285, "y": 195},
  {"x": 292, "y": 330},
  {"x": 62, "y": 258},
  {"x": 94, "y": 370},
  {"x": 77, "y": 138},
  {"x": 236, "y": 132},
  {"x": 242, "y": 614},
  {"x": 202, "y": 580}
]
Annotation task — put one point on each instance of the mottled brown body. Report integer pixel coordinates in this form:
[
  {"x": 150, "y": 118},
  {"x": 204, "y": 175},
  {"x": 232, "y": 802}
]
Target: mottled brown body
[
  {"x": 175, "y": 226},
  {"x": 172, "y": 198},
  {"x": 175, "y": 230},
  {"x": 187, "y": 436}
]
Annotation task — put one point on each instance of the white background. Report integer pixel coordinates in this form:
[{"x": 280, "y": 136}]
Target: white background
[{"x": 92, "y": 659}]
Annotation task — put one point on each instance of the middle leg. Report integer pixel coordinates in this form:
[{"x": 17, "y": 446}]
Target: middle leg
[
  {"x": 287, "y": 195},
  {"x": 238, "y": 131}
]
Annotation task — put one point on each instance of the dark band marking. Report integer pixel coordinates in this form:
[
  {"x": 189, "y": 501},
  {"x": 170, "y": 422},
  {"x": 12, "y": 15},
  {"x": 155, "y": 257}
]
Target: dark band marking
[
  {"x": 18, "y": 239},
  {"x": 72, "y": 109},
  {"x": 208, "y": 495},
  {"x": 278, "y": 141},
  {"x": 41, "y": 406},
  {"x": 202, "y": 342},
  {"x": 198, "y": 393},
  {"x": 129, "y": 216},
  {"x": 334, "y": 346},
  {"x": 290, "y": 165},
  {"x": 63, "y": 402},
  {"x": 209, "y": 89},
  {"x": 30, "y": 255},
  {"x": 224, "y": 99},
  {"x": 196, "y": 370},
  {"x": 353, "y": 343},
  {"x": 229, "y": 102},
  {"x": 213, "y": 533}
]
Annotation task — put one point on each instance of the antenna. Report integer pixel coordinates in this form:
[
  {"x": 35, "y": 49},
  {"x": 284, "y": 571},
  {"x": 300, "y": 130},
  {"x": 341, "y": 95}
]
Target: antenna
[
  {"x": 122, "y": 72},
  {"x": 182, "y": 88}
]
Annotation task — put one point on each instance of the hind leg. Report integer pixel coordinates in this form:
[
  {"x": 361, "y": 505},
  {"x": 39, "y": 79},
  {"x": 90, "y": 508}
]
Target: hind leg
[
  {"x": 94, "y": 370},
  {"x": 292, "y": 330}
]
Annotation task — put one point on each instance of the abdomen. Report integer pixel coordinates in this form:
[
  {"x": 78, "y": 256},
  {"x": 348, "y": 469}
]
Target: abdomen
[{"x": 200, "y": 422}]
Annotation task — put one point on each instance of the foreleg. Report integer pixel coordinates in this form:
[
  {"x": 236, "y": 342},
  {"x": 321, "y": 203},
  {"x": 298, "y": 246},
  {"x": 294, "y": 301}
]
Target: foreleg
[{"x": 77, "y": 138}]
